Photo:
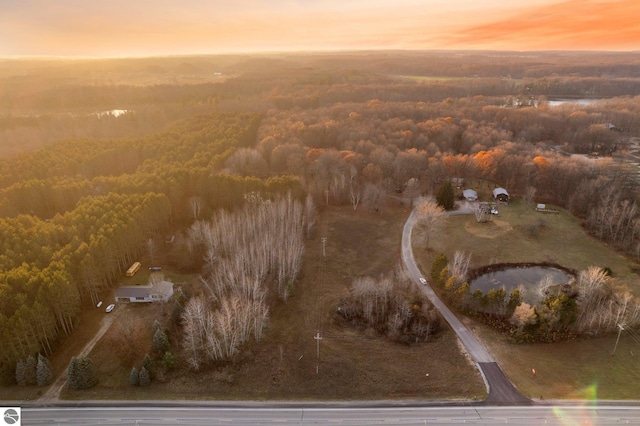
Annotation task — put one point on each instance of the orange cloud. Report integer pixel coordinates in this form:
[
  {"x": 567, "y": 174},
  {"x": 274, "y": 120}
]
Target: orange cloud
[{"x": 571, "y": 24}]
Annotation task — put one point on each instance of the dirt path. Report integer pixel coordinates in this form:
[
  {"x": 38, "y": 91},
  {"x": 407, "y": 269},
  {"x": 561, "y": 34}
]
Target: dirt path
[{"x": 51, "y": 395}]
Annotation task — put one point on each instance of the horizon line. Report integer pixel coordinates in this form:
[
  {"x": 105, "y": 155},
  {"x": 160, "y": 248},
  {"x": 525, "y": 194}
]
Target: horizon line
[{"x": 305, "y": 51}]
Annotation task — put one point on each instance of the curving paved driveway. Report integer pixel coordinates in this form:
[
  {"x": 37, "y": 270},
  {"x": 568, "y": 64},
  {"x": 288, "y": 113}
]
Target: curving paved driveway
[{"x": 500, "y": 389}]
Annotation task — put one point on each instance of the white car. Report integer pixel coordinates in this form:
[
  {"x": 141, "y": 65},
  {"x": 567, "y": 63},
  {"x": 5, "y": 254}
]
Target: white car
[
  {"x": 110, "y": 308},
  {"x": 423, "y": 281}
]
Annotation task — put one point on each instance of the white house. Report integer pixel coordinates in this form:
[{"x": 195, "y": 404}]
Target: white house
[{"x": 160, "y": 291}]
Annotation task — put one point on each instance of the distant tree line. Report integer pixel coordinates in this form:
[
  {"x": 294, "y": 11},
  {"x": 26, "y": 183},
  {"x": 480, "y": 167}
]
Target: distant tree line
[{"x": 75, "y": 213}]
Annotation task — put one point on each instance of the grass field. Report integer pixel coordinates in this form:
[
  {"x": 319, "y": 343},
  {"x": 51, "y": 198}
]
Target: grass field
[
  {"x": 353, "y": 364},
  {"x": 567, "y": 370}
]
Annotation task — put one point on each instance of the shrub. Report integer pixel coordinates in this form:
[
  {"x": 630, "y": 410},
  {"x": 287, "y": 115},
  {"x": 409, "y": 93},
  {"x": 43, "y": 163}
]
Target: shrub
[{"x": 438, "y": 265}]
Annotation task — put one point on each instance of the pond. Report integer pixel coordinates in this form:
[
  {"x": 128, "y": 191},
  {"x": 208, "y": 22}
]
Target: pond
[{"x": 510, "y": 278}]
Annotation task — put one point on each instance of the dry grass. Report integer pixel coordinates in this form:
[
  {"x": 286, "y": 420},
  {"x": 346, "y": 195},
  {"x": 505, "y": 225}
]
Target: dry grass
[
  {"x": 559, "y": 238},
  {"x": 359, "y": 365},
  {"x": 581, "y": 369},
  {"x": 577, "y": 369},
  {"x": 352, "y": 365}
]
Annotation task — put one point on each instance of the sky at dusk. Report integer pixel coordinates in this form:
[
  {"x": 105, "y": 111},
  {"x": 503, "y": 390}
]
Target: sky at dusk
[{"x": 99, "y": 28}]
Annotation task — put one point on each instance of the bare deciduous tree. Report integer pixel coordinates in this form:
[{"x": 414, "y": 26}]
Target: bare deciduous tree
[
  {"x": 529, "y": 194},
  {"x": 480, "y": 213},
  {"x": 371, "y": 196},
  {"x": 431, "y": 218},
  {"x": 459, "y": 266},
  {"x": 195, "y": 203}
]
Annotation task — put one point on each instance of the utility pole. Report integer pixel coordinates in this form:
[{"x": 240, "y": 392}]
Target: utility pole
[
  {"x": 324, "y": 246},
  {"x": 620, "y": 330},
  {"x": 317, "y": 338}
]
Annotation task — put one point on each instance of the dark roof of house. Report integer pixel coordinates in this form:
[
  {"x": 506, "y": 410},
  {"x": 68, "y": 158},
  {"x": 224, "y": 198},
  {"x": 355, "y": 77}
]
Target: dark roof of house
[
  {"x": 133, "y": 291},
  {"x": 164, "y": 288}
]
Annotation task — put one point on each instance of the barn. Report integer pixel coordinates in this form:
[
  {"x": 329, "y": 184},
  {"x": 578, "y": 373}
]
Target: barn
[{"x": 501, "y": 194}]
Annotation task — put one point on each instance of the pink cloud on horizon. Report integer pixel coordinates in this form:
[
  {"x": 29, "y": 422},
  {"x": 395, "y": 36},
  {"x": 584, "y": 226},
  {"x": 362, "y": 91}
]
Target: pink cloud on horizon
[{"x": 568, "y": 25}]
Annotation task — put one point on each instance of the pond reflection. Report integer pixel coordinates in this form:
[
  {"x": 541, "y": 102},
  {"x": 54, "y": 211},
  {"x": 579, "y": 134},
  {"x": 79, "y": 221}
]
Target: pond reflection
[{"x": 511, "y": 278}]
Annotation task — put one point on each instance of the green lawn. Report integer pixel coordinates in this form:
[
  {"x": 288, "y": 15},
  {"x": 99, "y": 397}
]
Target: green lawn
[{"x": 579, "y": 369}]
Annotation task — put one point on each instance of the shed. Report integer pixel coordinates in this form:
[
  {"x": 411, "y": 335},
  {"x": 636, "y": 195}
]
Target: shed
[
  {"x": 457, "y": 182},
  {"x": 160, "y": 291},
  {"x": 501, "y": 194},
  {"x": 470, "y": 195}
]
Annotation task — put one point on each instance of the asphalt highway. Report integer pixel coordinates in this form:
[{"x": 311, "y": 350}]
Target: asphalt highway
[
  {"x": 503, "y": 405},
  {"x": 351, "y": 416}
]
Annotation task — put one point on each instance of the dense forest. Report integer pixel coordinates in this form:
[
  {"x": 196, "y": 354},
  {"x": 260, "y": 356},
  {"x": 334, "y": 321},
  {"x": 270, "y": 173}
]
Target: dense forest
[{"x": 98, "y": 157}]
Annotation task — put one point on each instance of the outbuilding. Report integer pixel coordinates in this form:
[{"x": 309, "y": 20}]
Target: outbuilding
[
  {"x": 501, "y": 194},
  {"x": 470, "y": 195}
]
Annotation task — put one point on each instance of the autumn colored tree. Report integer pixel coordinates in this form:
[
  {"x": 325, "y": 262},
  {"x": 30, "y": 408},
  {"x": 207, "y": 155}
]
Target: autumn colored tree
[{"x": 430, "y": 218}]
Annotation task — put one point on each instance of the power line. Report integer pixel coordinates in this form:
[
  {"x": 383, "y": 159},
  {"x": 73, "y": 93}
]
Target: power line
[
  {"x": 621, "y": 329},
  {"x": 318, "y": 338}
]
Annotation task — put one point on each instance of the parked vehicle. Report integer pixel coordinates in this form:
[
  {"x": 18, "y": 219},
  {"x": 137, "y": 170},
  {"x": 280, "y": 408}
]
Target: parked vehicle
[
  {"x": 110, "y": 308},
  {"x": 423, "y": 281}
]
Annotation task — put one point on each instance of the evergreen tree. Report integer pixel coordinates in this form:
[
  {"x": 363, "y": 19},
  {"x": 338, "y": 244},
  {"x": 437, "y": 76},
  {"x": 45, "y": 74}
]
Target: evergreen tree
[
  {"x": 515, "y": 299},
  {"x": 160, "y": 342},
  {"x": 134, "y": 377},
  {"x": 44, "y": 374},
  {"x": 438, "y": 265},
  {"x": 20, "y": 380},
  {"x": 147, "y": 362},
  {"x": 145, "y": 377},
  {"x": 30, "y": 370},
  {"x": 81, "y": 373},
  {"x": 156, "y": 326},
  {"x": 73, "y": 373},
  {"x": 177, "y": 310},
  {"x": 168, "y": 361},
  {"x": 445, "y": 197}
]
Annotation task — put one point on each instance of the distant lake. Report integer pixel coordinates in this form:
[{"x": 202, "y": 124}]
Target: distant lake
[
  {"x": 113, "y": 112},
  {"x": 577, "y": 102}
]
